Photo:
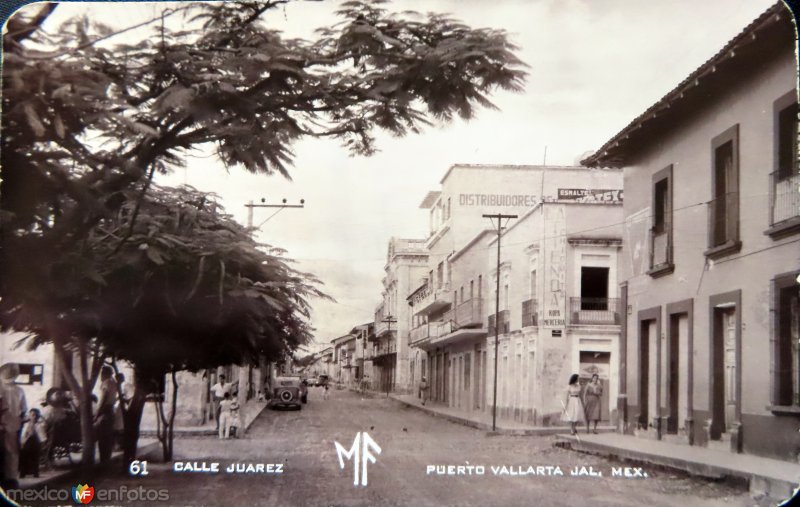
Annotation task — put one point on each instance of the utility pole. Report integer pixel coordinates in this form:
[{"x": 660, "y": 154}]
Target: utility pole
[
  {"x": 244, "y": 373},
  {"x": 499, "y": 217},
  {"x": 263, "y": 204}
]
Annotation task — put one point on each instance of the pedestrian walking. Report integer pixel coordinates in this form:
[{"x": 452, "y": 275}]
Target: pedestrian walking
[
  {"x": 218, "y": 392},
  {"x": 591, "y": 400},
  {"x": 104, "y": 417},
  {"x": 325, "y": 392},
  {"x": 32, "y": 440},
  {"x": 225, "y": 416},
  {"x": 423, "y": 390},
  {"x": 14, "y": 409},
  {"x": 573, "y": 408}
]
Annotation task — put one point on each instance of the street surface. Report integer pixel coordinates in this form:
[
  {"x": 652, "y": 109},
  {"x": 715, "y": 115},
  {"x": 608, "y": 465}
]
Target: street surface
[{"x": 303, "y": 441}]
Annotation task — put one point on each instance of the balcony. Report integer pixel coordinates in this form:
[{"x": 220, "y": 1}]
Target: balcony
[
  {"x": 529, "y": 316},
  {"x": 430, "y": 300},
  {"x": 661, "y": 251},
  {"x": 383, "y": 328},
  {"x": 594, "y": 311},
  {"x": 469, "y": 313},
  {"x": 723, "y": 225},
  {"x": 385, "y": 349},
  {"x": 504, "y": 326},
  {"x": 784, "y": 211}
]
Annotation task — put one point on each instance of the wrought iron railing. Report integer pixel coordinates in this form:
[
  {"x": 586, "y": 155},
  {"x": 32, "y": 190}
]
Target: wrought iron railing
[
  {"x": 723, "y": 219},
  {"x": 503, "y": 326},
  {"x": 529, "y": 317},
  {"x": 785, "y": 202},
  {"x": 469, "y": 313},
  {"x": 603, "y": 311},
  {"x": 660, "y": 246}
]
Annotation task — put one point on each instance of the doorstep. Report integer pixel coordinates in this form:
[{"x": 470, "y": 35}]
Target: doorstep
[{"x": 765, "y": 476}]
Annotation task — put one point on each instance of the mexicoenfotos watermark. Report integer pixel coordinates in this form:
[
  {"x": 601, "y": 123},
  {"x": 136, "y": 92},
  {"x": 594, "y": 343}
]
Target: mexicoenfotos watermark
[{"x": 84, "y": 494}]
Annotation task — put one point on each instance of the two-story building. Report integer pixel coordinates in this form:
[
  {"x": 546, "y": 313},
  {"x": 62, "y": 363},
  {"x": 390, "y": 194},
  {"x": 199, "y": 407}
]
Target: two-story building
[
  {"x": 711, "y": 256},
  {"x": 453, "y": 308}
]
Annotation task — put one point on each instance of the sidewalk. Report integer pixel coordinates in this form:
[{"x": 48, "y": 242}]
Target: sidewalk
[
  {"x": 774, "y": 478},
  {"x": 146, "y": 446},
  {"x": 252, "y": 411},
  {"x": 483, "y": 420}
]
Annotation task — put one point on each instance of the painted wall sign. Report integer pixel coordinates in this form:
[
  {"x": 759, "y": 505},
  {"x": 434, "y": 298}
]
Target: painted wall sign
[
  {"x": 497, "y": 200},
  {"x": 589, "y": 195},
  {"x": 553, "y": 313}
]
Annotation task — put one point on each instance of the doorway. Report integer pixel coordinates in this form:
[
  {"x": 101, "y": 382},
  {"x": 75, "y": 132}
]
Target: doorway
[
  {"x": 725, "y": 375},
  {"x": 594, "y": 288},
  {"x": 644, "y": 373}
]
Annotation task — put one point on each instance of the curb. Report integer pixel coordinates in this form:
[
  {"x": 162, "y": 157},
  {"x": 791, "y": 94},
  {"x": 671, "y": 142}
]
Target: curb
[
  {"x": 758, "y": 484},
  {"x": 523, "y": 432}
]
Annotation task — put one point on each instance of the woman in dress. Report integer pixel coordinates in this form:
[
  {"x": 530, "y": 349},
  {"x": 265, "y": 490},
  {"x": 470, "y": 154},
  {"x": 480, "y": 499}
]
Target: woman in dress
[
  {"x": 573, "y": 408},
  {"x": 591, "y": 400}
]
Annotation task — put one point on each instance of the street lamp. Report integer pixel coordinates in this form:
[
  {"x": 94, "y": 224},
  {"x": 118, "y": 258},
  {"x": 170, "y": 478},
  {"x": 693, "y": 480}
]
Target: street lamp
[{"x": 499, "y": 217}]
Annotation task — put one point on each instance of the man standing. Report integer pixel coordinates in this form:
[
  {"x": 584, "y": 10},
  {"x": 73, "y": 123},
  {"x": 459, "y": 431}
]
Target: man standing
[
  {"x": 218, "y": 392},
  {"x": 104, "y": 418},
  {"x": 423, "y": 390},
  {"x": 14, "y": 409}
]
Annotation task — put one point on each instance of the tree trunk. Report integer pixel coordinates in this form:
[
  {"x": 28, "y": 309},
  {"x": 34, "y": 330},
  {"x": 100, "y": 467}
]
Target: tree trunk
[
  {"x": 133, "y": 420},
  {"x": 171, "y": 427}
]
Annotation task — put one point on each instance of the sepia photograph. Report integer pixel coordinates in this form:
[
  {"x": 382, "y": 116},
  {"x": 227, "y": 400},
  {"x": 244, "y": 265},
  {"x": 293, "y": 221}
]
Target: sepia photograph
[{"x": 400, "y": 253}]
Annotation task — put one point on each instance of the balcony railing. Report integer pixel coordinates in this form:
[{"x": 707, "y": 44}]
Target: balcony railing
[
  {"x": 469, "y": 313},
  {"x": 785, "y": 197},
  {"x": 431, "y": 300},
  {"x": 723, "y": 219},
  {"x": 602, "y": 311},
  {"x": 660, "y": 246},
  {"x": 504, "y": 326},
  {"x": 529, "y": 317}
]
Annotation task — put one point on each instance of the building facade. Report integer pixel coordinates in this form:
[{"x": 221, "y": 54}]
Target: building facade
[
  {"x": 453, "y": 308},
  {"x": 711, "y": 257},
  {"x": 406, "y": 261}
]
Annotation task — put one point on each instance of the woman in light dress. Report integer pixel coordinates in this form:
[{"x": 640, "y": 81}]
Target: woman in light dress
[
  {"x": 573, "y": 408},
  {"x": 591, "y": 400}
]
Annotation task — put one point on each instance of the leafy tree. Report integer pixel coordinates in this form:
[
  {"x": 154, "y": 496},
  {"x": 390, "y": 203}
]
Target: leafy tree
[
  {"x": 190, "y": 290},
  {"x": 87, "y": 125}
]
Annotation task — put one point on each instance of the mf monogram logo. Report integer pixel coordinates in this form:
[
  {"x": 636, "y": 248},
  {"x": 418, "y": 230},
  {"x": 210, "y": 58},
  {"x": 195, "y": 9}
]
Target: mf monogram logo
[{"x": 361, "y": 453}]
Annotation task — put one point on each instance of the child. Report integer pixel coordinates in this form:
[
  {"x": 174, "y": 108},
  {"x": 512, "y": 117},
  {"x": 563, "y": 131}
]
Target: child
[
  {"x": 235, "y": 422},
  {"x": 225, "y": 416},
  {"x": 31, "y": 440}
]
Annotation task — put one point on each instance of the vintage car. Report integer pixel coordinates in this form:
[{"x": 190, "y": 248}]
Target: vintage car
[
  {"x": 286, "y": 392},
  {"x": 303, "y": 387}
]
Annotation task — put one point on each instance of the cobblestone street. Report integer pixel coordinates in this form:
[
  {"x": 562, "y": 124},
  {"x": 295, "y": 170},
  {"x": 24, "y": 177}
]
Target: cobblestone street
[{"x": 410, "y": 440}]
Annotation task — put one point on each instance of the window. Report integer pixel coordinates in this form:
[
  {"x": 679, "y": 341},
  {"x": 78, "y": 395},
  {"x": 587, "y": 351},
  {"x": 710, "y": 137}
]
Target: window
[
  {"x": 787, "y": 142},
  {"x": 440, "y": 275},
  {"x": 661, "y": 229},
  {"x": 30, "y": 374},
  {"x": 723, "y": 224},
  {"x": 467, "y": 359},
  {"x": 786, "y": 337},
  {"x": 533, "y": 284},
  {"x": 480, "y": 285},
  {"x": 471, "y": 289},
  {"x": 462, "y": 293},
  {"x": 784, "y": 217}
]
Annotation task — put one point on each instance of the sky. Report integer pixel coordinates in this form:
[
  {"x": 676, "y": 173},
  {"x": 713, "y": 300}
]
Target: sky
[{"x": 594, "y": 65}]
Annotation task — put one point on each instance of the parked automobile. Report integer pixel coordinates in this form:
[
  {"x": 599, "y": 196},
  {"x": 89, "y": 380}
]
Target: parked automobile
[
  {"x": 322, "y": 380},
  {"x": 312, "y": 382},
  {"x": 287, "y": 392},
  {"x": 303, "y": 387}
]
